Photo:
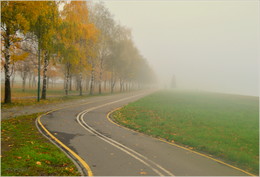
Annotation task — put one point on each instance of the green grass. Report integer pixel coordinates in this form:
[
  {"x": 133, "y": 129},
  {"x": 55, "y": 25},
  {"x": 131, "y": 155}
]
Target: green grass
[
  {"x": 223, "y": 125},
  {"x": 18, "y": 92},
  {"x": 33, "y": 101},
  {"x": 25, "y": 152}
]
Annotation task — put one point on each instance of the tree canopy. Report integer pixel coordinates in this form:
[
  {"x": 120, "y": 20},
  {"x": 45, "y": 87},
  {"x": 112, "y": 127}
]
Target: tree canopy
[{"x": 80, "y": 38}]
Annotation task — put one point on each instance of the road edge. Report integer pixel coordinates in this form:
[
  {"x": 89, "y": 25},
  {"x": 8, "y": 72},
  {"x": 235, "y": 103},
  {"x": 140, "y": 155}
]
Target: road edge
[
  {"x": 66, "y": 153},
  {"x": 82, "y": 165},
  {"x": 173, "y": 144}
]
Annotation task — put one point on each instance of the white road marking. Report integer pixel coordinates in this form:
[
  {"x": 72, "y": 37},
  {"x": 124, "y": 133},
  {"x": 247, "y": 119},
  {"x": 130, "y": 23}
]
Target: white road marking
[{"x": 118, "y": 145}]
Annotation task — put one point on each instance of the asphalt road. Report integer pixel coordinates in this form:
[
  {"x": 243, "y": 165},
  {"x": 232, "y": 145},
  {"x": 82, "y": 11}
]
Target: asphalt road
[{"x": 111, "y": 150}]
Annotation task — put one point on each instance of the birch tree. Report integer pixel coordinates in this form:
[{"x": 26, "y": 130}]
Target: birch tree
[{"x": 13, "y": 25}]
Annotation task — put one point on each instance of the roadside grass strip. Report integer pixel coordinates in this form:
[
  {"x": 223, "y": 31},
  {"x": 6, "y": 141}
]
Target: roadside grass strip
[
  {"x": 20, "y": 101},
  {"x": 224, "y": 126},
  {"x": 33, "y": 101},
  {"x": 25, "y": 152}
]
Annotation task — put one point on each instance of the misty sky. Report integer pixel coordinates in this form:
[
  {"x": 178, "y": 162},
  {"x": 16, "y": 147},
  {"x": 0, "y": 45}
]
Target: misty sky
[{"x": 207, "y": 45}]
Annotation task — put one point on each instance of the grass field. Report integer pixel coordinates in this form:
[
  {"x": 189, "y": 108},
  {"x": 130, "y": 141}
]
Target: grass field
[
  {"x": 225, "y": 126},
  {"x": 25, "y": 152}
]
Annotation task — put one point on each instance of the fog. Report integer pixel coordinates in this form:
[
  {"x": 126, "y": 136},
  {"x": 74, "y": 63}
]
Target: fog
[{"x": 207, "y": 45}]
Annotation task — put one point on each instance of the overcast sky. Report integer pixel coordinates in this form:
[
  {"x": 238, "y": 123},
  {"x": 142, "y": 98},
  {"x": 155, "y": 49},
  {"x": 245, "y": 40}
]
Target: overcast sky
[{"x": 207, "y": 45}]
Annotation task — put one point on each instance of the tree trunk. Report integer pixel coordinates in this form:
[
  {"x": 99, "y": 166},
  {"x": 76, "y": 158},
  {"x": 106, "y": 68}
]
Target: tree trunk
[
  {"x": 44, "y": 81},
  {"x": 129, "y": 86},
  {"x": 76, "y": 83},
  {"x": 64, "y": 82},
  {"x": 112, "y": 81},
  {"x": 30, "y": 80},
  {"x": 100, "y": 83},
  {"x": 126, "y": 87},
  {"x": 87, "y": 83},
  {"x": 100, "y": 76},
  {"x": 24, "y": 76},
  {"x": 80, "y": 85},
  {"x": 67, "y": 77},
  {"x": 7, "y": 67},
  {"x": 70, "y": 82},
  {"x": 92, "y": 81},
  {"x": 39, "y": 71},
  {"x": 111, "y": 84},
  {"x": 105, "y": 84},
  {"x": 121, "y": 85}
]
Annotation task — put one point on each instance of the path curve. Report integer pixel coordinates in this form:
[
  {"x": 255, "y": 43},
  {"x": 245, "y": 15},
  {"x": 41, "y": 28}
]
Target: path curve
[{"x": 111, "y": 150}]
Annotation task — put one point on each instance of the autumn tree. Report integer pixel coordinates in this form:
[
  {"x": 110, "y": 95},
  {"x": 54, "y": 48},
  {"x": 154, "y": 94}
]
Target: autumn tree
[
  {"x": 104, "y": 21},
  {"x": 13, "y": 25},
  {"x": 77, "y": 37},
  {"x": 43, "y": 26},
  {"x": 117, "y": 60}
]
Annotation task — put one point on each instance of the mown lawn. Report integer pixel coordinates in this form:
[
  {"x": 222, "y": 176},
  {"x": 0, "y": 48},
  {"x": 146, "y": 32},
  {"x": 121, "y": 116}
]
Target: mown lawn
[
  {"x": 223, "y": 125},
  {"x": 25, "y": 152}
]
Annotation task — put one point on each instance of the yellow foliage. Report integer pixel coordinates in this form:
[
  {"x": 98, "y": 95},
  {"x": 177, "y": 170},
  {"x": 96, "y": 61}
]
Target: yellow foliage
[
  {"x": 78, "y": 34},
  {"x": 15, "y": 57}
]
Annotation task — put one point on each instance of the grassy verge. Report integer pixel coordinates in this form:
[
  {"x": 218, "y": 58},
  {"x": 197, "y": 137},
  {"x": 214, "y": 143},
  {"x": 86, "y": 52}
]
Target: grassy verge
[
  {"x": 223, "y": 125},
  {"x": 33, "y": 101},
  {"x": 18, "y": 92},
  {"x": 25, "y": 152}
]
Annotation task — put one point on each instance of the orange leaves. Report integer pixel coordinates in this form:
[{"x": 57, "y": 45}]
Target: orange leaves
[
  {"x": 47, "y": 162},
  {"x": 69, "y": 169},
  {"x": 65, "y": 164},
  {"x": 19, "y": 157},
  {"x": 142, "y": 172}
]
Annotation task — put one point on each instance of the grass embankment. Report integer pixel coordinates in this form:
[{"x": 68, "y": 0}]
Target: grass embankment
[
  {"x": 24, "y": 151},
  {"x": 223, "y": 125}
]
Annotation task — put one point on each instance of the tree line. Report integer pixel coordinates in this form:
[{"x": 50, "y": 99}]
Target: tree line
[{"x": 68, "y": 39}]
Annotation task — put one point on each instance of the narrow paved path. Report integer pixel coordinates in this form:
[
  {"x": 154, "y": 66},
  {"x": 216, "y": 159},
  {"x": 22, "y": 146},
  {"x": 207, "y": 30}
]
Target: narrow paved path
[{"x": 109, "y": 149}]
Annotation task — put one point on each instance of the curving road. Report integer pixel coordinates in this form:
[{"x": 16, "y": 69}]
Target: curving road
[{"x": 88, "y": 136}]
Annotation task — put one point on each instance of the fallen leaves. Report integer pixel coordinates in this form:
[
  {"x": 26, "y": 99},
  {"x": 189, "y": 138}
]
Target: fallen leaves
[
  {"x": 30, "y": 142},
  {"x": 143, "y": 173},
  {"x": 64, "y": 165},
  {"x": 69, "y": 169},
  {"x": 48, "y": 162}
]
